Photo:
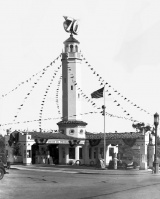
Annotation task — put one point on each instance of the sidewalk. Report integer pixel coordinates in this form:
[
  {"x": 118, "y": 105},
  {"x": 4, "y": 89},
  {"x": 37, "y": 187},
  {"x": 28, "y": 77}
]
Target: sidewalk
[{"x": 81, "y": 169}]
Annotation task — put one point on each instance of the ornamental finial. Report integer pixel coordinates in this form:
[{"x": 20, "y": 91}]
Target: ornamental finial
[{"x": 71, "y": 25}]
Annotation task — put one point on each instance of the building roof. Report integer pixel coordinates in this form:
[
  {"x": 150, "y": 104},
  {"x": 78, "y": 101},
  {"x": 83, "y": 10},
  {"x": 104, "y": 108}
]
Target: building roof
[
  {"x": 71, "y": 39},
  {"x": 36, "y": 135},
  {"x": 72, "y": 122},
  {"x": 113, "y": 136},
  {"x": 109, "y": 136}
]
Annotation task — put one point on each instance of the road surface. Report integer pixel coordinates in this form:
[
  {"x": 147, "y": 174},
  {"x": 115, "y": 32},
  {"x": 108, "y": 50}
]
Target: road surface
[{"x": 24, "y": 182}]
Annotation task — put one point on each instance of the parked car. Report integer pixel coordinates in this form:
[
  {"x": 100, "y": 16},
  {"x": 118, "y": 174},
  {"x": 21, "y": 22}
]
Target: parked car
[
  {"x": 3, "y": 159},
  {"x": 2, "y": 170},
  {"x": 126, "y": 162}
]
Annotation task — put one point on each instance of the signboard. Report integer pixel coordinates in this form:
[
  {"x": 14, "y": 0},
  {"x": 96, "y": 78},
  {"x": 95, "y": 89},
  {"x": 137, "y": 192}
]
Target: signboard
[
  {"x": 61, "y": 141},
  {"x": 55, "y": 141}
]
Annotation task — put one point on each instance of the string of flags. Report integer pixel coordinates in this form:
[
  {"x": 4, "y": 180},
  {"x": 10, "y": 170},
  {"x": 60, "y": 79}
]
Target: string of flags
[
  {"x": 28, "y": 121},
  {"x": 57, "y": 93},
  {"x": 27, "y": 95},
  {"x": 33, "y": 86},
  {"x": 46, "y": 119},
  {"x": 29, "y": 79},
  {"x": 102, "y": 82},
  {"x": 109, "y": 92},
  {"x": 100, "y": 94},
  {"x": 45, "y": 95}
]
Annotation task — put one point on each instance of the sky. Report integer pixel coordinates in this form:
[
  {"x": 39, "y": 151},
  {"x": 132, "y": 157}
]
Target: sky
[{"x": 119, "y": 39}]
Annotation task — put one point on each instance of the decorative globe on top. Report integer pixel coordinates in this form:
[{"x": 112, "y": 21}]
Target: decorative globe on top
[{"x": 71, "y": 25}]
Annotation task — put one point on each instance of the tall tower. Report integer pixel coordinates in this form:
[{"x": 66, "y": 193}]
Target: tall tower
[{"x": 71, "y": 123}]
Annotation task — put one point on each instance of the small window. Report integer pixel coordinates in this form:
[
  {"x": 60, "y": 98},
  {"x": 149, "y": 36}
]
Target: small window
[
  {"x": 62, "y": 131},
  {"x": 81, "y": 131},
  {"x": 71, "y": 153},
  {"x": 78, "y": 95},
  {"x": 71, "y": 131},
  {"x": 64, "y": 80},
  {"x": 80, "y": 153},
  {"x": 111, "y": 152},
  {"x": 63, "y": 153},
  {"x": 28, "y": 153},
  {"x": 71, "y": 87},
  {"x": 95, "y": 154},
  {"x": 90, "y": 153},
  {"x": 101, "y": 152}
]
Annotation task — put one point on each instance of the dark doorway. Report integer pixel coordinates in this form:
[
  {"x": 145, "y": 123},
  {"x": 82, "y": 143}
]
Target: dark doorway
[
  {"x": 54, "y": 152},
  {"x": 35, "y": 149}
]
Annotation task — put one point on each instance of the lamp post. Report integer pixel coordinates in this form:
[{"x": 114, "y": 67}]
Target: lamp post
[
  {"x": 104, "y": 113},
  {"x": 155, "y": 163}
]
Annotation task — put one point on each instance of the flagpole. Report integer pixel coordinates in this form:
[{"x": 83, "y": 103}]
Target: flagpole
[
  {"x": 98, "y": 94},
  {"x": 104, "y": 112}
]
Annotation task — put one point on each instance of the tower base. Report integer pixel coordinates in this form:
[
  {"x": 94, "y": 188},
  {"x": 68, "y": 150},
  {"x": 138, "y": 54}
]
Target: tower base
[{"x": 73, "y": 128}]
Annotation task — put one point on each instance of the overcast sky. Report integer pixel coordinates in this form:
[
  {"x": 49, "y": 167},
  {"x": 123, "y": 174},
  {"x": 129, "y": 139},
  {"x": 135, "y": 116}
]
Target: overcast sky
[{"x": 120, "y": 40}]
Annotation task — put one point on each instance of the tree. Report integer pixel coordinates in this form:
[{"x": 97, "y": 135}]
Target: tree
[
  {"x": 2, "y": 144},
  {"x": 140, "y": 127}
]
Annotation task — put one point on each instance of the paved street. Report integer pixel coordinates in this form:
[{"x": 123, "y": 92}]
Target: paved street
[{"x": 78, "y": 183}]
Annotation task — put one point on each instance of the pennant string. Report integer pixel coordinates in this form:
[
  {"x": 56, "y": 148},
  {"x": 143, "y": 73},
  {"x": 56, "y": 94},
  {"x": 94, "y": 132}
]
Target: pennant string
[
  {"x": 115, "y": 91},
  {"x": 27, "y": 80},
  {"x": 44, "y": 98}
]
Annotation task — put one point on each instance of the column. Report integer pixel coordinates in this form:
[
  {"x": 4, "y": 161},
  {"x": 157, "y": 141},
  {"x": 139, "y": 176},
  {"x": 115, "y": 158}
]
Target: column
[
  {"x": 144, "y": 141},
  {"x": 86, "y": 153},
  {"x": 151, "y": 150},
  {"x": 115, "y": 160},
  {"x": 76, "y": 152},
  {"x": 60, "y": 154},
  {"x": 66, "y": 154},
  {"x": 143, "y": 156},
  {"x": 107, "y": 155}
]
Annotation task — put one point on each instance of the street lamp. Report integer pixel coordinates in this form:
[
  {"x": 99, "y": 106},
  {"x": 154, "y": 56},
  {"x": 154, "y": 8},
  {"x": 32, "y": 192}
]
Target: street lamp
[{"x": 155, "y": 163}]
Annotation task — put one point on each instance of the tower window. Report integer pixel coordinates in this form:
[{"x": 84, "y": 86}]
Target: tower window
[
  {"x": 71, "y": 48},
  {"x": 66, "y": 48},
  {"x": 71, "y": 87},
  {"x": 76, "y": 48}
]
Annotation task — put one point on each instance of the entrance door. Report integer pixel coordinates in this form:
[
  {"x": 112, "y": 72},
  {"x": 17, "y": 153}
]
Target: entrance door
[{"x": 54, "y": 152}]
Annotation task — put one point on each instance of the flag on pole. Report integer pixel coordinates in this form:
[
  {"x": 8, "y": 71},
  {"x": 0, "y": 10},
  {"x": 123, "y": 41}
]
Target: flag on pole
[{"x": 98, "y": 93}]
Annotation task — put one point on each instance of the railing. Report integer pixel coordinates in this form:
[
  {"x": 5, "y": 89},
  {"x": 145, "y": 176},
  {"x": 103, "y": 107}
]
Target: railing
[{"x": 74, "y": 55}]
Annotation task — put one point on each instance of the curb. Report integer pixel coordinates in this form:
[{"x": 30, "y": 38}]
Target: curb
[{"x": 81, "y": 170}]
